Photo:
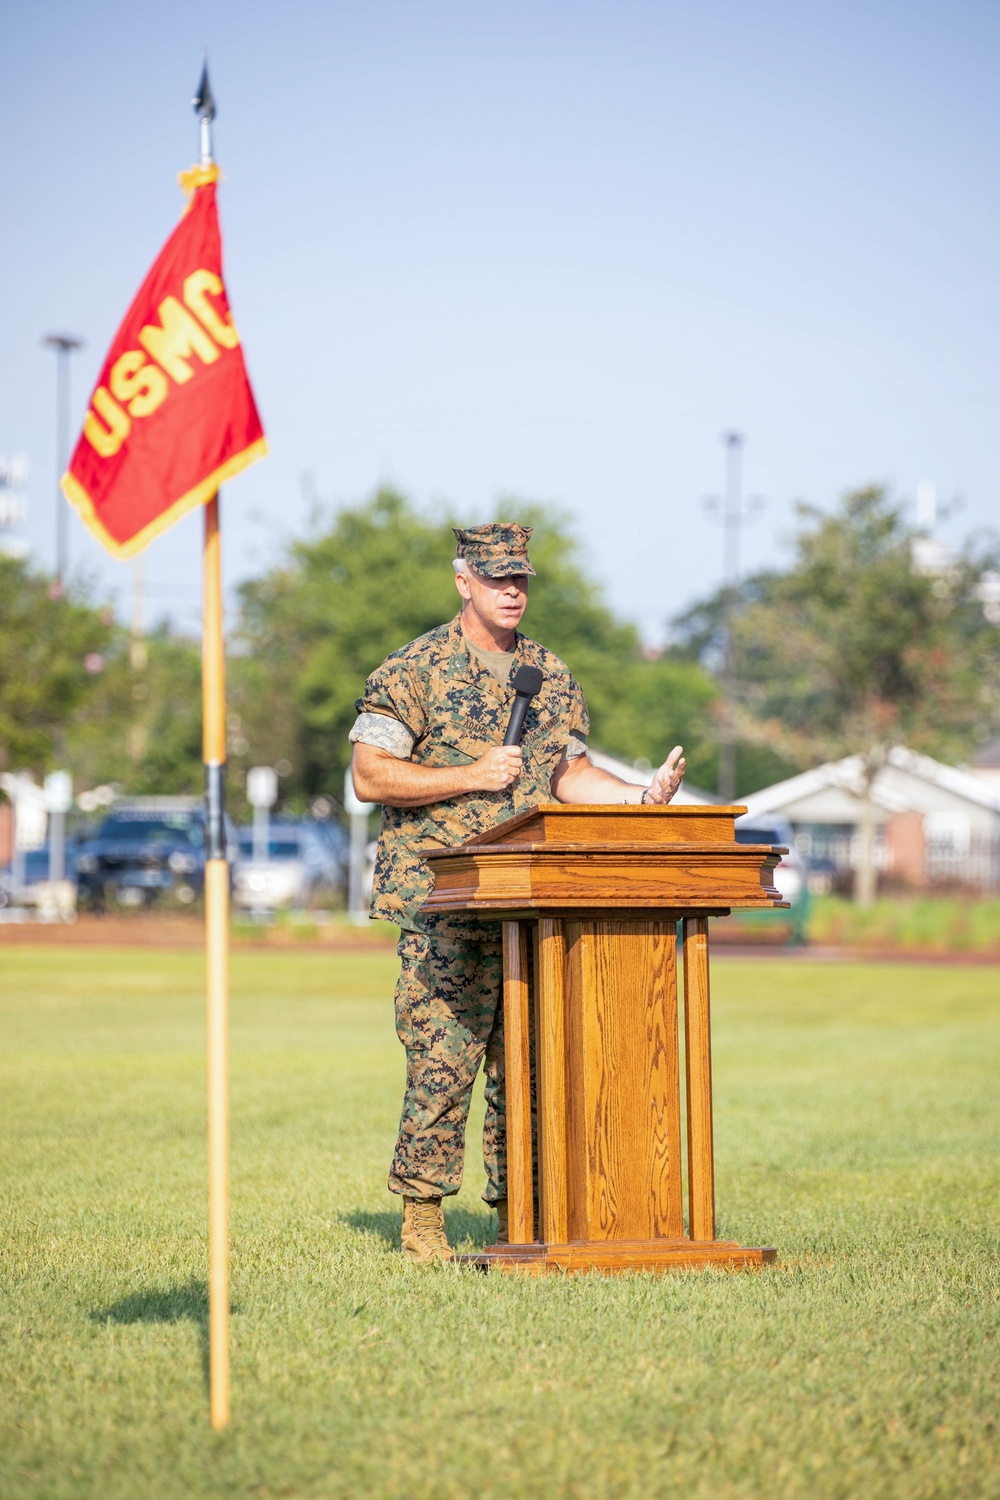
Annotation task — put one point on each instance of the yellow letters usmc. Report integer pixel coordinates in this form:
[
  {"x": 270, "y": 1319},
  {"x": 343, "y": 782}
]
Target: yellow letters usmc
[{"x": 138, "y": 387}]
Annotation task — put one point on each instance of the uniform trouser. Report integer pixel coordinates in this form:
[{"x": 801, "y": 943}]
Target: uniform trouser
[{"x": 449, "y": 1017}]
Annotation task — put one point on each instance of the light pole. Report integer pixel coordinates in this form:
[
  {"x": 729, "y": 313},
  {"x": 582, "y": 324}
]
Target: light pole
[
  {"x": 359, "y": 813},
  {"x": 64, "y": 344},
  {"x": 732, "y": 515},
  {"x": 262, "y": 794}
]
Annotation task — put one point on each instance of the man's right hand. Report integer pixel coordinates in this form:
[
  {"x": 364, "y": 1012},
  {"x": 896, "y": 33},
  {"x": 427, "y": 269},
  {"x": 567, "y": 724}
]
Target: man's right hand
[
  {"x": 379, "y": 776},
  {"x": 495, "y": 770}
]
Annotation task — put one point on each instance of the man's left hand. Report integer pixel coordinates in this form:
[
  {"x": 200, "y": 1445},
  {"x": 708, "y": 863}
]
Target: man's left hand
[{"x": 667, "y": 779}]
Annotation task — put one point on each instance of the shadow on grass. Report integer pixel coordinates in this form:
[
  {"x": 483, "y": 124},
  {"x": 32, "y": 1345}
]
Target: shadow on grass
[
  {"x": 463, "y": 1225},
  {"x": 174, "y": 1304}
]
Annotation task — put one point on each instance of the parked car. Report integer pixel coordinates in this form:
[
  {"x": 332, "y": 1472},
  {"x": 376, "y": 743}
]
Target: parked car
[
  {"x": 790, "y": 877},
  {"x": 297, "y": 868},
  {"x": 35, "y": 872},
  {"x": 143, "y": 853},
  {"x": 337, "y": 841}
]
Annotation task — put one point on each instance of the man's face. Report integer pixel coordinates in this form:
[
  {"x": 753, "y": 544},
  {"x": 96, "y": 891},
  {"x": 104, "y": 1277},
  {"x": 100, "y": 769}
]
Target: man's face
[{"x": 499, "y": 602}]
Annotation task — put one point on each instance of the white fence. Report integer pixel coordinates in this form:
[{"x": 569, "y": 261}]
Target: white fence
[
  {"x": 956, "y": 856},
  {"x": 974, "y": 861}
]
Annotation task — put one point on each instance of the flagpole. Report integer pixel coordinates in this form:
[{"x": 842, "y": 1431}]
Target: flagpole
[
  {"x": 209, "y": 435},
  {"x": 213, "y": 686},
  {"x": 213, "y": 694}
]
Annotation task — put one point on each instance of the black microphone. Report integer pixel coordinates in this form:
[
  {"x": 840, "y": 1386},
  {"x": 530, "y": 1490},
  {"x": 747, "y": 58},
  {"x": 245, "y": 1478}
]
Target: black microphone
[{"x": 526, "y": 682}]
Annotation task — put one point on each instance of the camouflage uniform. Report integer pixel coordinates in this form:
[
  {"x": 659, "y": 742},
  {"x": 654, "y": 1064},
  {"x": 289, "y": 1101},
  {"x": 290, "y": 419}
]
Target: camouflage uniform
[{"x": 433, "y": 703}]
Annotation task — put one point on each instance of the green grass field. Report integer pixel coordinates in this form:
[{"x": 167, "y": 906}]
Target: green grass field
[{"x": 857, "y": 1113}]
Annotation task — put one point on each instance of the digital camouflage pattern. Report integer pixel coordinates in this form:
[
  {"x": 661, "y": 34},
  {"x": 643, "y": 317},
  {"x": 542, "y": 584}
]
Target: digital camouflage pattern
[
  {"x": 434, "y": 703},
  {"x": 453, "y": 711},
  {"x": 497, "y": 551},
  {"x": 449, "y": 1020}
]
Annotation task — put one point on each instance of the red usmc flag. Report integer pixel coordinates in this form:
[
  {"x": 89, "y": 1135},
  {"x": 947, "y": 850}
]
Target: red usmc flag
[{"x": 172, "y": 416}]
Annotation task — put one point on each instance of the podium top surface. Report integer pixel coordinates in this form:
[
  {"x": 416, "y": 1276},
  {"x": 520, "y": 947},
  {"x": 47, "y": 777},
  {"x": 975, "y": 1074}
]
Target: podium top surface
[{"x": 553, "y": 825}]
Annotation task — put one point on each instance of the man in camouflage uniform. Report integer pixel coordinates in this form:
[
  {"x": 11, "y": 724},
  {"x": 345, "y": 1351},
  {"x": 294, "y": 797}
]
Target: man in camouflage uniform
[{"x": 428, "y": 747}]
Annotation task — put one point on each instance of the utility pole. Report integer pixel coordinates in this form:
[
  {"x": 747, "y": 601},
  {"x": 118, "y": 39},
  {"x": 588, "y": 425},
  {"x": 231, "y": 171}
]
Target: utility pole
[
  {"x": 732, "y": 515},
  {"x": 64, "y": 345},
  {"x": 359, "y": 813}
]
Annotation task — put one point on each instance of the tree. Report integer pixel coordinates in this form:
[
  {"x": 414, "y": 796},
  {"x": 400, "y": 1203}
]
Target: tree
[
  {"x": 313, "y": 628},
  {"x": 854, "y": 650},
  {"x": 141, "y": 730},
  {"x": 698, "y": 638},
  {"x": 53, "y": 646},
  {"x": 377, "y": 576},
  {"x": 69, "y": 695}
]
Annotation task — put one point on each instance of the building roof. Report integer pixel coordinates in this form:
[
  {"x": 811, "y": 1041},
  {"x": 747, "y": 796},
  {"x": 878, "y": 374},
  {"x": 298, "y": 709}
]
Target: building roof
[{"x": 908, "y": 782}]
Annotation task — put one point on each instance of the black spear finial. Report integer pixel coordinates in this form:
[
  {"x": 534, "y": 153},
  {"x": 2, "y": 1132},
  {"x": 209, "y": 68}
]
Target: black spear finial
[
  {"x": 204, "y": 108},
  {"x": 203, "y": 101}
]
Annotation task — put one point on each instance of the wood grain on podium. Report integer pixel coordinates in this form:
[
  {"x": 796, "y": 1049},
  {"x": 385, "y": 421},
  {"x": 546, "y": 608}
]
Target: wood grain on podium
[
  {"x": 517, "y": 1055},
  {"x": 618, "y": 1256},
  {"x": 550, "y": 1033},
  {"x": 562, "y": 879},
  {"x": 698, "y": 1058},
  {"x": 624, "y": 1113},
  {"x": 583, "y": 823}
]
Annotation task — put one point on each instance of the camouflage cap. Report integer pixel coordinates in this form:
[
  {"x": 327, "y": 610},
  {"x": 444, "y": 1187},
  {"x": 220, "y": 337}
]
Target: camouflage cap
[{"x": 498, "y": 551}]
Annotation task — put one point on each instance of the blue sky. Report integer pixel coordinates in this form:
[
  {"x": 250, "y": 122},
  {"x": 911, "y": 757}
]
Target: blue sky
[{"x": 551, "y": 250}]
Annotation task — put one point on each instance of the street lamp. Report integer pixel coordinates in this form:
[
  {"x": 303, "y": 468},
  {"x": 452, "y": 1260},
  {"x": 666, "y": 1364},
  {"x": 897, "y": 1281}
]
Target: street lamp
[
  {"x": 64, "y": 344},
  {"x": 732, "y": 515}
]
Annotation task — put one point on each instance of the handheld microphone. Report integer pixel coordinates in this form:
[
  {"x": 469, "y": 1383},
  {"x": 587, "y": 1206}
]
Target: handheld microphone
[{"x": 526, "y": 682}]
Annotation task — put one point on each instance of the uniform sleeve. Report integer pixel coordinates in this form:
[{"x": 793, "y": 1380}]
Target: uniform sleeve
[
  {"x": 390, "y": 711},
  {"x": 579, "y": 722},
  {"x": 387, "y": 734}
]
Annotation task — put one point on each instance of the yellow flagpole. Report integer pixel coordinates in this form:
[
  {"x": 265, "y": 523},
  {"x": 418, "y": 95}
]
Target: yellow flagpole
[{"x": 213, "y": 689}]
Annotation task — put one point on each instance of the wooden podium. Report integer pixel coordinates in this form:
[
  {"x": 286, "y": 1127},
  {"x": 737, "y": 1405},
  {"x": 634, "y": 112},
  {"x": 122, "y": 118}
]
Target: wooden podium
[{"x": 596, "y": 893}]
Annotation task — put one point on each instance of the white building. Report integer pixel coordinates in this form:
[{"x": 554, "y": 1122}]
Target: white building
[
  {"x": 935, "y": 823},
  {"x": 985, "y": 764}
]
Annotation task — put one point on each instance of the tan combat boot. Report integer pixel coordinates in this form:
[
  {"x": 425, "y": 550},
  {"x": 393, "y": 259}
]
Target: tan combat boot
[
  {"x": 503, "y": 1232},
  {"x": 424, "y": 1239}
]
